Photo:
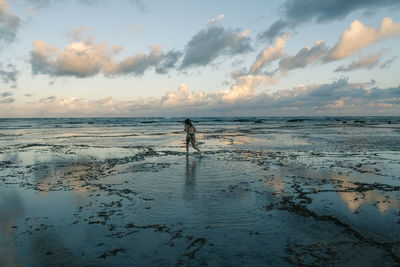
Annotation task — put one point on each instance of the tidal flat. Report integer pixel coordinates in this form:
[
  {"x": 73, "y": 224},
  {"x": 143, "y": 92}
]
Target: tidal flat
[{"x": 265, "y": 191}]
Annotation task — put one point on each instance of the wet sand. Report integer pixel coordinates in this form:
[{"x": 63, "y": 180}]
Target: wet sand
[{"x": 266, "y": 193}]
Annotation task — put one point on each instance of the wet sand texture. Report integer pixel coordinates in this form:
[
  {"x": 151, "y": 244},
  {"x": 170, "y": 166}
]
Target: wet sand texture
[{"x": 277, "y": 192}]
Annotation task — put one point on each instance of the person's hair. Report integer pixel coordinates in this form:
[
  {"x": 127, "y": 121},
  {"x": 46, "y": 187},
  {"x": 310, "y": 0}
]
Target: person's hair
[{"x": 188, "y": 122}]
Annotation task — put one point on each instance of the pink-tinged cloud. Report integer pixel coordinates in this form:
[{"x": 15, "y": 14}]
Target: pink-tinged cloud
[
  {"x": 351, "y": 42},
  {"x": 86, "y": 59},
  {"x": 183, "y": 97},
  {"x": 359, "y": 36},
  {"x": 245, "y": 87},
  {"x": 215, "y": 20},
  {"x": 336, "y": 98},
  {"x": 269, "y": 54}
]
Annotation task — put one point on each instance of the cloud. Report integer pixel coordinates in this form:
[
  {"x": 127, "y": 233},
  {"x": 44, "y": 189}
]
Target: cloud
[
  {"x": 212, "y": 42},
  {"x": 5, "y": 94},
  {"x": 42, "y": 3},
  {"x": 9, "y": 23},
  {"x": 297, "y": 12},
  {"x": 183, "y": 97},
  {"x": 137, "y": 28},
  {"x": 387, "y": 63},
  {"x": 269, "y": 54},
  {"x": 78, "y": 34},
  {"x": 136, "y": 64},
  {"x": 79, "y": 59},
  {"x": 337, "y": 98},
  {"x": 168, "y": 61},
  {"x": 245, "y": 87},
  {"x": 9, "y": 75},
  {"x": 359, "y": 36},
  {"x": 215, "y": 20},
  {"x": 86, "y": 58},
  {"x": 83, "y": 59},
  {"x": 48, "y": 99},
  {"x": 139, "y": 4},
  {"x": 352, "y": 41},
  {"x": 5, "y": 98},
  {"x": 367, "y": 62},
  {"x": 304, "y": 57},
  {"x": 276, "y": 29}
]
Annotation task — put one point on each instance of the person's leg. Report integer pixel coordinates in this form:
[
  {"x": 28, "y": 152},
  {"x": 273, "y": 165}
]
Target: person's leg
[
  {"x": 194, "y": 144},
  {"x": 187, "y": 144}
]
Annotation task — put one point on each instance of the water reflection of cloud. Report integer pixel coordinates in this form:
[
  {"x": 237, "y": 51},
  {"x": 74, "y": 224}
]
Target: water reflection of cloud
[
  {"x": 384, "y": 201},
  {"x": 61, "y": 176},
  {"x": 345, "y": 186},
  {"x": 277, "y": 182}
]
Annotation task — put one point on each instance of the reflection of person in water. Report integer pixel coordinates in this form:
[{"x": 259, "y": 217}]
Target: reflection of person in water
[
  {"x": 190, "y": 178},
  {"x": 190, "y": 136}
]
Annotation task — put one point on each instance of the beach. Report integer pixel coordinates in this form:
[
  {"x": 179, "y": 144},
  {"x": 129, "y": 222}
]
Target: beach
[{"x": 277, "y": 191}]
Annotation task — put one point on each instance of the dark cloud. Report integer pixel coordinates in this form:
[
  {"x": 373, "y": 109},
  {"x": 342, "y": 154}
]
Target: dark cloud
[
  {"x": 304, "y": 57},
  {"x": 296, "y": 12},
  {"x": 387, "y": 63},
  {"x": 334, "y": 98},
  {"x": 9, "y": 75},
  {"x": 278, "y": 28},
  {"x": 5, "y": 94},
  {"x": 168, "y": 61},
  {"x": 9, "y": 24},
  {"x": 368, "y": 62},
  {"x": 7, "y": 100},
  {"x": 338, "y": 97},
  {"x": 336, "y": 90},
  {"x": 48, "y": 99},
  {"x": 212, "y": 42},
  {"x": 137, "y": 64}
]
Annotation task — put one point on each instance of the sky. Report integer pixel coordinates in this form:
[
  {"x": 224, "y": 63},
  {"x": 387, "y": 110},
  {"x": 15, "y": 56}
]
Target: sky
[{"x": 98, "y": 58}]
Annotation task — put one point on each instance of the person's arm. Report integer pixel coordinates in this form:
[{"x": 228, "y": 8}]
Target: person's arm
[{"x": 186, "y": 128}]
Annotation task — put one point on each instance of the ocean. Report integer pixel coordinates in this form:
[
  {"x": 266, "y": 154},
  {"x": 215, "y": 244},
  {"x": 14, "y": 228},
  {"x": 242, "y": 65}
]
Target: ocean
[{"x": 264, "y": 191}]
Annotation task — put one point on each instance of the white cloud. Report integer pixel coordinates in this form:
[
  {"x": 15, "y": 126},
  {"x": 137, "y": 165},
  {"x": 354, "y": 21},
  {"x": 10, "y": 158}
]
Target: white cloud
[
  {"x": 359, "y": 36},
  {"x": 338, "y": 104},
  {"x": 351, "y": 42},
  {"x": 183, "y": 97},
  {"x": 336, "y": 98},
  {"x": 245, "y": 87},
  {"x": 215, "y": 20}
]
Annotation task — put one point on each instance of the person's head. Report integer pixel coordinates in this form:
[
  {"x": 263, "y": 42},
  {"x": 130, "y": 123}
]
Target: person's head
[{"x": 188, "y": 122}]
